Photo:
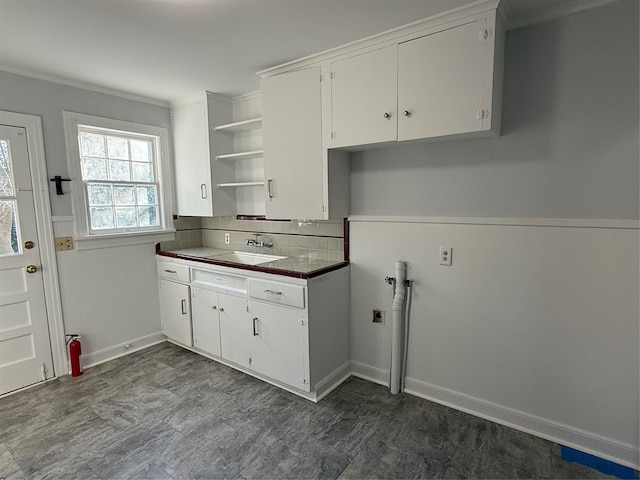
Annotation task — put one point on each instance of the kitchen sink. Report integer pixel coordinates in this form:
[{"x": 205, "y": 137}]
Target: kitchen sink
[{"x": 246, "y": 258}]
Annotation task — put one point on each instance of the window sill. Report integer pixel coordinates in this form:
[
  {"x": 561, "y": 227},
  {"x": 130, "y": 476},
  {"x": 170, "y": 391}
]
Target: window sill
[{"x": 123, "y": 239}]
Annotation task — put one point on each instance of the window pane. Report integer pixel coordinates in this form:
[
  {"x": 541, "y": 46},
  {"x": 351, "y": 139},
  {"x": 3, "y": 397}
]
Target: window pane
[
  {"x": 6, "y": 187},
  {"x": 142, "y": 172},
  {"x": 95, "y": 169},
  {"x": 99, "y": 194},
  {"x": 8, "y": 228},
  {"x": 92, "y": 145},
  {"x": 119, "y": 170},
  {"x": 126, "y": 217},
  {"x": 124, "y": 195},
  {"x": 148, "y": 216},
  {"x": 140, "y": 151},
  {"x": 118, "y": 148},
  {"x": 101, "y": 218},
  {"x": 147, "y": 195}
]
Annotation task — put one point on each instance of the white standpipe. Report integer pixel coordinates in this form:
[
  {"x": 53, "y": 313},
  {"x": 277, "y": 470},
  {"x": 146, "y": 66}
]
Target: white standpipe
[{"x": 396, "y": 336}]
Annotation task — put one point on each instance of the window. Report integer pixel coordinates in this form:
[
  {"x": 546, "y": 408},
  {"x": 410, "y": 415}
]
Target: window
[
  {"x": 9, "y": 244},
  {"x": 117, "y": 170}
]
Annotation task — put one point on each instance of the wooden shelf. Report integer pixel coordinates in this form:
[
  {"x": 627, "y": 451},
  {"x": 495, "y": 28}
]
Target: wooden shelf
[
  {"x": 240, "y": 184},
  {"x": 240, "y": 155},
  {"x": 243, "y": 126}
]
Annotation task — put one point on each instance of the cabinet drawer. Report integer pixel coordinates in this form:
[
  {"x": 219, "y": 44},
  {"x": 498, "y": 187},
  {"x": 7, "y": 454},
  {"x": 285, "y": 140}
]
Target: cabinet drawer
[
  {"x": 274, "y": 292},
  {"x": 173, "y": 271}
]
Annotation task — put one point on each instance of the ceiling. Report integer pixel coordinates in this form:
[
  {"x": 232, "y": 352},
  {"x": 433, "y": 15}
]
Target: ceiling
[{"x": 165, "y": 50}]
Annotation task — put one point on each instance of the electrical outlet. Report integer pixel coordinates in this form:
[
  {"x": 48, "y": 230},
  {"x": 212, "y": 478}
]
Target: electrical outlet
[
  {"x": 227, "y": 239},
  {"x": 64, "y": 243},
  {"x": 378, "y": 316},
  {"x": 446, "y": 254}
]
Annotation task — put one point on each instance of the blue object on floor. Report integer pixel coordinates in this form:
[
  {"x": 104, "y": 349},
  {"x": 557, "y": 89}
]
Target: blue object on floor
[{"x": 597, "y": 463}]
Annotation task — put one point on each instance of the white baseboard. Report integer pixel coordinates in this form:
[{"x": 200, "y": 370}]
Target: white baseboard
[
  {"x": 607, "y": 448},
  {"x": 367, "y": 372},
  {"x": 104, "y": 355},
  {"x": 333, "y": 380}
]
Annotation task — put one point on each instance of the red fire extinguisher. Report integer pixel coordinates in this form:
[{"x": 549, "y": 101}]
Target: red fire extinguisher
[{"x": 75, "y": 350}]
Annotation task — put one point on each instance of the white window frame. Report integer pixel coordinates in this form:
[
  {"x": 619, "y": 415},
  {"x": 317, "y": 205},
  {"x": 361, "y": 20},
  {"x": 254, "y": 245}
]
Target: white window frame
[{"x": 85, "y": 238}]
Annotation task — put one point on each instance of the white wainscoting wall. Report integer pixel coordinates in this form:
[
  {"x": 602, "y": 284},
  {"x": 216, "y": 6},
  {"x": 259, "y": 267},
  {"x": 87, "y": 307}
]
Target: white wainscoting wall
[{"x": 535, "y": 325}]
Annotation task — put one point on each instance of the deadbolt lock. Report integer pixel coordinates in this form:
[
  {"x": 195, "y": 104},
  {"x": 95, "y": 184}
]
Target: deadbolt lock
[{"x": 29, "y": 244}]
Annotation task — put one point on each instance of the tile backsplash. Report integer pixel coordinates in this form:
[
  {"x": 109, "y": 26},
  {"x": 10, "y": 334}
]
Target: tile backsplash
[{"x": 317, "y": 240}]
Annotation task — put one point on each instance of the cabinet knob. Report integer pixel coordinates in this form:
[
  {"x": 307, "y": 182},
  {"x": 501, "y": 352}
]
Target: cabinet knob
[
  {"x": 407, "y": 113},
  {"x": 214, "y": 307},
  {"x": 386, "y": 115},
  {"x": 221, "y": 309}
]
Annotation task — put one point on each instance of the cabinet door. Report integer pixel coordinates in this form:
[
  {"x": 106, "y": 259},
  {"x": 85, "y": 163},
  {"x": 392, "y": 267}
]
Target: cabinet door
[
  {"x": 364, "y": 98},
  {"x": 292, "y": 142},
  {"x": 235, "y": 330},
  {"x": 441, "y": 81},
  {"x": 175, "y": 311},
  {"x": 206, "y": 320},
  {"x": 279, "y": 344},
  {"x": 192, "y": 160}
]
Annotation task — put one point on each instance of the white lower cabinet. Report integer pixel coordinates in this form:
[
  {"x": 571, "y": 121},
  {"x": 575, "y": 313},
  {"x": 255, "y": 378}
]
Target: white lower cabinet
[
  {"x": 175, "y": 313},
  {"x": 291, "y": 332},
  {"x": 279, "y": 343},
  {"x": 213, "y": 313}
]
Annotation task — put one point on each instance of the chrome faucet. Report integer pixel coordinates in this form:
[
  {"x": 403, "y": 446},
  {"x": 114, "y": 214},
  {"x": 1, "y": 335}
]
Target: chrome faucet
[{"x": 257, "y": 242}]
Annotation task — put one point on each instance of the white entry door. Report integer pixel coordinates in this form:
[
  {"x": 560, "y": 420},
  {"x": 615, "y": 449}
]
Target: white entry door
[{"x": 25, "y": 350}]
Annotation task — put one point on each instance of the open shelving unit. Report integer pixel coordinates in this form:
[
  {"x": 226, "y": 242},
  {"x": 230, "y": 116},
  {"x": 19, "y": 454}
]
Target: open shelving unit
[{"x": 242, "y": 156}]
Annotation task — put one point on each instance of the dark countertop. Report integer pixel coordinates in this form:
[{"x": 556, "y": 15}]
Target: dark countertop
[{"x": 288, "y": 266}]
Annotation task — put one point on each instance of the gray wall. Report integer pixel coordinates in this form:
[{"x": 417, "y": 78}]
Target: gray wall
[
  {"x": 109, "y": 295},
  {"x": 48, "y": 100},
  {"x": 569, "y": 144}
]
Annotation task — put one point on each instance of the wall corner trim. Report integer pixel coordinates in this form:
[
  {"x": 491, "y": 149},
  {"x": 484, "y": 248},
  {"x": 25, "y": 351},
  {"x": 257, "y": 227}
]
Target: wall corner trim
[{"x": 505, "y": 221}]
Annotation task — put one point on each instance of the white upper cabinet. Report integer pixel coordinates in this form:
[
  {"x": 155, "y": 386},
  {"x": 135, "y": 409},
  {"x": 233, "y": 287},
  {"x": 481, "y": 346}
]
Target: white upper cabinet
[
  {"x": 292, "y": 137},
  {"x": 436, "y": 85},
  {"x": 364, "y": 98},
  {"x": 445, "y": 83},
  {"x": 192, "y": 123}
]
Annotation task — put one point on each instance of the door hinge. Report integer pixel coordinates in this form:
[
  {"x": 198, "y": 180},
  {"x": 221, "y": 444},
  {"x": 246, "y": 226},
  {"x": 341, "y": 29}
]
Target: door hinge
[
  {"x": 332, "y": 135},
  {"x": 482, "y": 114},
  {"x": 250, "y": 360},
  {"x": 303, "y": 380},
  {"x": 302, "y": 322},
  {"x": 44, "y": 372},
  {"x": 333, "y": 75},
  {"x": 322, "y": 208},
  {"x": 485, "y": 35}
]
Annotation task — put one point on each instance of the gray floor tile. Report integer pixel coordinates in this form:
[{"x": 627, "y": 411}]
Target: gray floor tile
[{"x": 167, "y": 413}]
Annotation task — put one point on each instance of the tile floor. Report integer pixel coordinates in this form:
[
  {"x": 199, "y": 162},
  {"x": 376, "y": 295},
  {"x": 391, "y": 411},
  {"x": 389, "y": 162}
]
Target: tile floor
[{"x": 167, "y": 413}]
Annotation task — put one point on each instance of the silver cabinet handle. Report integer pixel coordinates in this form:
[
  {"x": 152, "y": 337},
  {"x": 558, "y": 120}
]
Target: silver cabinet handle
[
  {"x": 269, "y": 184},
  {"x": 203, "y": 190},
  {"x": 170, "y": 271},
  {"x": 407, "y": 113},
  {"x": 272, "y": 292},
  {"x": 183, "y": 304},
  {"x": 255, "y": 326},
  {"x": 386, "y": 115}
]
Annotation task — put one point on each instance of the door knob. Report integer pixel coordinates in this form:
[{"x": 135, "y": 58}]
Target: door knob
[
  {"x": 29, "y": 244},
  {"x": 32, "y": 269}
]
